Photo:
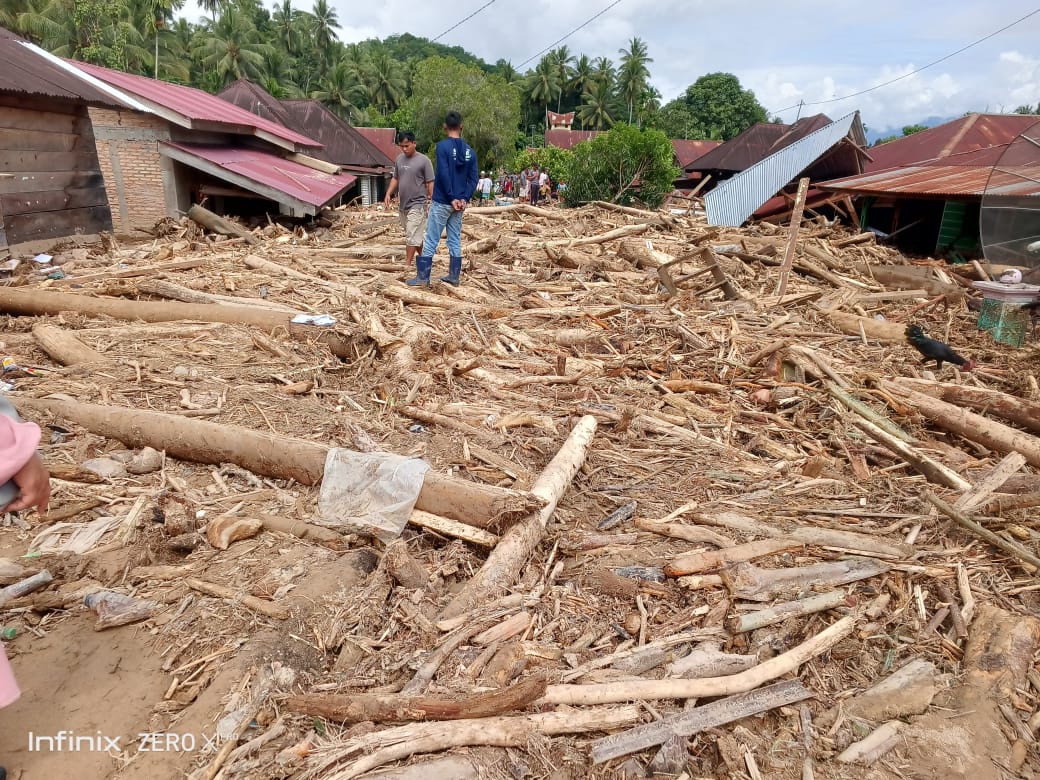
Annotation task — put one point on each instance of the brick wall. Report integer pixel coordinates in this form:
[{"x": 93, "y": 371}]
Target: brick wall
[{"x": 128, "y": 152}]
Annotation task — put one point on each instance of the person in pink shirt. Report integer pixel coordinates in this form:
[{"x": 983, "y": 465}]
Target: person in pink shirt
[{"x": 24, "y": 483}]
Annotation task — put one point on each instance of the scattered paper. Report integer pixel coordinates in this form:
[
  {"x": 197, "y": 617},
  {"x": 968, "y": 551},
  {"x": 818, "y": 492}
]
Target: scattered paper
[{"x": 324, "y": 320}]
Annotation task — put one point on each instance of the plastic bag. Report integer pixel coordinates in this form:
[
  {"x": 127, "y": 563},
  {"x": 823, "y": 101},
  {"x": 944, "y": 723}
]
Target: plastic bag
[{"x": 370, "y": 493}]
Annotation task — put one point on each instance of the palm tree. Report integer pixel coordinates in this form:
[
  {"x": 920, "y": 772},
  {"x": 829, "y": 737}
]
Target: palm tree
[
  {"x": 582, "y": 76},
  {"x": 562, "y": 59},
  {"x": 152, "y": 17},
  {"x": 232, "y": 48},
  {"x": 288, "y": 26},
  {"x": 599, "y": 107},
  {"x": 634, "y": 74},
  {"x": 355, "y": 60},
  {"x": 544, "y": 84},
  {"x": 603, "y": 70},
  {"x": 341, "y": 91},
  {"x": 323, "y": 21},
  {"x": 505, "y": 69},
  {"x": 386, "y": 81}
]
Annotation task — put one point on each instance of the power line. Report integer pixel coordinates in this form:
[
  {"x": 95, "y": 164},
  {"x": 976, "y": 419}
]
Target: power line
[
  {"x": 913, "y": 72},
  {"x": 568, "y": 35},
  {"x": 463, "y": 21}
]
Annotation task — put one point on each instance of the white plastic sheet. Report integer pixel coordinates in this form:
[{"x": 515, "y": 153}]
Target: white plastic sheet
[{"x": 370, "y": 493}]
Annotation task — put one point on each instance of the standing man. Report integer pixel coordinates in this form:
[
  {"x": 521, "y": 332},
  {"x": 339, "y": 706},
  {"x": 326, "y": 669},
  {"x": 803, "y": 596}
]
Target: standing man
[
  {"x": 453, "y": 187},
  {"x": 413, "y": 180},
  {"x": 533, "y": 183}
]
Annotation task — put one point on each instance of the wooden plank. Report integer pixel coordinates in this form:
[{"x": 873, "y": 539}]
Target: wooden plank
[
  {"x": 43, "y": 181},
  {"x": 792, "y": 241},
  {"x": 26, "y": 119},
  {"x": 53, "y": 200},
  {"x": 54, "y": 224},
  {"x": 17, "y": 161},
  {"x": 38, "y": 140}
]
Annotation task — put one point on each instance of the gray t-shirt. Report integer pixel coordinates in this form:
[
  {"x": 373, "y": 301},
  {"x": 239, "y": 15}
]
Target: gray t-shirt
[{"x": 412, "y": 173}]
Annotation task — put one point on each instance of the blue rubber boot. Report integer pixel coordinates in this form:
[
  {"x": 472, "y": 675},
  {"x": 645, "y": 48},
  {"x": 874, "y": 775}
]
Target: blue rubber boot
[
  {"x": 423, "y": 266},
  {"x": 454, "y": 271}
]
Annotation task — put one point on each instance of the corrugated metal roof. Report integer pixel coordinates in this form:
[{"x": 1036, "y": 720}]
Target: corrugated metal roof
[
  {"x": 966, "y": 134},
  {"x": 943, "y": 181},
  {"x": 344, "y": 145},
  {"x": 964, "y": 173},
  {"x": 194, "y": 105},
  {"x": 25, "y": 70},
  {"x": 736, "y": 199},
  {"x": 383, "y": 138},
  {"x": 261, "y": 172},
  {"x": 687, "y": 151},
  {"x": 568, "y": 139},
  {"x": 256, "y": 100}
]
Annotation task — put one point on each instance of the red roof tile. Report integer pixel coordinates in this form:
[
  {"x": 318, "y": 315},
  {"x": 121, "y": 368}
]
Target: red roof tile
[{"x": 688, "y": 151}]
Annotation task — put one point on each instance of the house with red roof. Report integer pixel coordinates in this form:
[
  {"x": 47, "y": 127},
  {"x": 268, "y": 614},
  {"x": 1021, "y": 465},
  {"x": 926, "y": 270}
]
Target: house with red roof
[
  {"x": 170, "y": 146},
  {"x": 928, "y": 191}
]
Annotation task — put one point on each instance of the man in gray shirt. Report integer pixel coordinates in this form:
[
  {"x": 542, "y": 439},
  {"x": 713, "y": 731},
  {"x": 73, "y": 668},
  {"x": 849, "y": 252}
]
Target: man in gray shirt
[{"x": 413, "y": 180}]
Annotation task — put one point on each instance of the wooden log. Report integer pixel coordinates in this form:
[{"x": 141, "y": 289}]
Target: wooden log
[
  {"x": 792, "y": 238},
  {"x": 37, "y": 302},
  {"x": 862, "y": 238},
  {"x": 629, "y": 690},
  {"x": 693, "y": 721},
  {"x": 269, "y": 608},
  {"x": 217, "y": 224},
  {"x": 932, "y": 470},
  {"x": 694, "y": 563},
  {"x": 974, "y": 427},
  {"x": 854, "y": 325},
  {"x": 273, "y": 456},
  {"x": 519, "y": 542},
  {"x": 445, "y": 527},
  {"x": 382, "y": 747},
  {"x": 656, "y": 217},
  {"x": 750, "y": 621},
  {"x": 1015, "y": 550},
  {"x": 1021, "y": 411},
  {"x": 689, "y": 533},
  {"x": 874, "y": 745},
  {"x": 602, "y": 238},
  {"x": 747, "y": 581},
  {"x": 64, "y": 347},
  {"x": 407, "y": 294},
  {"x": 163, "y": 288},
  {"x": 381, "y": 708},
  {"x": 327, "y": 537}
]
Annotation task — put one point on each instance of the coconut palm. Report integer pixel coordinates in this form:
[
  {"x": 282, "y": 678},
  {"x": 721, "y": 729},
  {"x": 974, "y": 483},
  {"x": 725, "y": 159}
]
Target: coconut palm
[
  {"x": 603, "y": 70},
  {"x": 341, "y": 91},
  {"x": 544, "y": 83},
  {"x": 562, "y": 59},
  {"x": 288, "y": 26},
  {"x": 386, "y": 81},
  {"x": 323, "y": 23},
  {"x": 232, "y": 48},
  {"x": 582, "y": 76},
  {"x": 599, "y": 107},
  {"x": 634, "y": 74}
]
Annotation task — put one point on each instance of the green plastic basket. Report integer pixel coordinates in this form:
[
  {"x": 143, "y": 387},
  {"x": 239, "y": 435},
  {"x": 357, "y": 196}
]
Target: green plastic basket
[{"x": 1008, "y": 323}]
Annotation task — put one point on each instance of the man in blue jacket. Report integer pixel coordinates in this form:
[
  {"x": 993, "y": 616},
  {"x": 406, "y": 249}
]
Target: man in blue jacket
[{"x": 454, "y": 181}]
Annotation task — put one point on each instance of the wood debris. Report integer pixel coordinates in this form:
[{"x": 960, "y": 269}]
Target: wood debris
[{"x": 693, "y": 506}]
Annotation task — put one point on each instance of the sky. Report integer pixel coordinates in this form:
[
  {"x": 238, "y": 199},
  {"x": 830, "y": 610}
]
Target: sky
[{"x": 806, "y": 50}]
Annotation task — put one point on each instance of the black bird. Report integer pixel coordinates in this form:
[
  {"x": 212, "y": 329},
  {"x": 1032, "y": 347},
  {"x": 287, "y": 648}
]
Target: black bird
[{"x": 935, "y": 350}]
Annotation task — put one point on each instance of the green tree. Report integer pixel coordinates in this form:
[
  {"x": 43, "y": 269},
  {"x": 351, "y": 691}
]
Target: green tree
[
  {"x": 232, "y": 49},
  {"x": 911, "y": 129},
  {"x": 289, "y": 27},
  {"x": 720, "y": 107},
  {"x": 386, "y": 81},
  {"x": 633, "y": 76},
  {"x": 603, "y": 70},
  {"x": 624, "y": 165},
  {"x": 544, "y": 84},
  {"x": 341, "y": 91},
  {"x": 552, "y": 159},
  {"x": 489, "y": 106},
  {"x": 600, "y": 107},
  {"x": 1028, "y": 109},
  {"x": 562, "y": 59}
]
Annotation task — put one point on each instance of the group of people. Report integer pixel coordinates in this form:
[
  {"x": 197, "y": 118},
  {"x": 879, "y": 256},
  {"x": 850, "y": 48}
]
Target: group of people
[
  {"x": 432, "y": 202},
  {"x": 438, "y": 200}
]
